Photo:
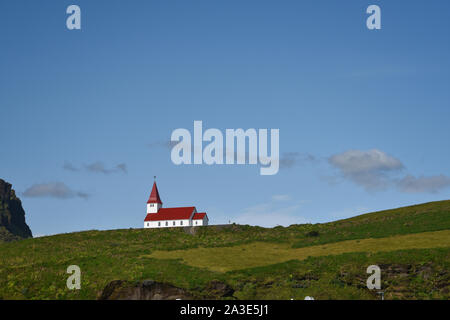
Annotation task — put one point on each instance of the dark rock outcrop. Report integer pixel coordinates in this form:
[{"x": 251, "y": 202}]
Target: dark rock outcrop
[
  {"x": 153, "y": 290},
  {"x": 12, "y": 216},
  {"x": 145, "y": 290},
  {"x": 403, "y": 281},
  {"x": 218, "y": 289}
]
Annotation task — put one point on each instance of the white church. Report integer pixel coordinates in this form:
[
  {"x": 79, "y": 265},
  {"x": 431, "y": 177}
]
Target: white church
[{"x": 159, "y": 217}]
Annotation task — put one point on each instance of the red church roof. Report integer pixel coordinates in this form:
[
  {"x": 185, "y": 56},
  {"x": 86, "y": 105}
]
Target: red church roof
[
  {"x": 181, "y": 213},
  {"x": 199, "y": 215},
  {"x": 154, "y": 195}
]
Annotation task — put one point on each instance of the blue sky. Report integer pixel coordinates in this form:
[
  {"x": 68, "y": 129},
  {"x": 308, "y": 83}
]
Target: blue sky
[{"x": 86, "y": 114}]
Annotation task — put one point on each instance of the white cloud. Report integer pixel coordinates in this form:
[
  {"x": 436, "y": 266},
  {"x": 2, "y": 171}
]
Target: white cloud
[
  {"x": 70, "y": 167},
  {"x": 97, "y": 167},
  {"x": 53, "y": 189},
  {"x": 373, "y": 170},
  {"x": 291, "y": 159},
  {"x": 368, "y": 169},
  {"x": 357, "y": 161},
  {"x": 101, "y": 168},
  {"x": 432, "y": 184}
]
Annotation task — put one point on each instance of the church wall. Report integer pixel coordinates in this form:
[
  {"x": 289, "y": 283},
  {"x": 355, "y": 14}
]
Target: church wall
[{"x": 154, "y": 224}]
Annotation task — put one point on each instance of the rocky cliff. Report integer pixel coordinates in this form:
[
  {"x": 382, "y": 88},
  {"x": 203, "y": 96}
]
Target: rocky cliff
[{"x": 12, "y": 216}]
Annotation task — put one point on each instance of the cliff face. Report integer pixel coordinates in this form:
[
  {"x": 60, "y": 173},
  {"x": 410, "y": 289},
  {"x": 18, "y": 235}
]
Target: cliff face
[{"x": 12, "y": 215}]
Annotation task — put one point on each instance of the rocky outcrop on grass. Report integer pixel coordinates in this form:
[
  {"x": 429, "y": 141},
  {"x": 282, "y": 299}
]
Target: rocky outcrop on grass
[
  {"x": 153, "y": 290},
  {"x": 12, "y": 216},
  {"x": 405, "y": 281},
  {"x": 145, "y": 290},
  {"x": 216, "y": 289}
]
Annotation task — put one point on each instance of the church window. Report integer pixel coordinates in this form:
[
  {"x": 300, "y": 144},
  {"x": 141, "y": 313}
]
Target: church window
[{"x": 159, "y": 224}]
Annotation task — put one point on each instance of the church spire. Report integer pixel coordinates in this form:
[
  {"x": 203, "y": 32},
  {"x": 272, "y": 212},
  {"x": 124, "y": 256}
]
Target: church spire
[{"x": 154, "y": 195}]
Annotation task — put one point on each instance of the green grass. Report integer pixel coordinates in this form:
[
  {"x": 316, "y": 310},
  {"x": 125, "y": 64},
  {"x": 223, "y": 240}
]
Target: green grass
[
  {"x": 344, "y": 277},
  {"x": 263, "y": 253},
  {"x": 36, "y": 268},
  {"x": 432, "y": 216}
]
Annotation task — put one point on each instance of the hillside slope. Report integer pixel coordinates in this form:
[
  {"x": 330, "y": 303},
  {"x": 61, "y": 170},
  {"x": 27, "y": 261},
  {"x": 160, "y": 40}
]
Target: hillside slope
[{"x": 327, "y": 261}]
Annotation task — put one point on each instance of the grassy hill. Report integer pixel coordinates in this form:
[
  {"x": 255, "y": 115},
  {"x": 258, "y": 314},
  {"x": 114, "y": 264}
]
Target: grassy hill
[{"x": 327, "y": 261}]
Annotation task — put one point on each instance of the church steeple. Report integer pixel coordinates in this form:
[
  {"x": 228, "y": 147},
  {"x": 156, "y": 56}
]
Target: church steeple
[
  {"x": 154, "y": 202},
  {"x": 154, "y": 195}
]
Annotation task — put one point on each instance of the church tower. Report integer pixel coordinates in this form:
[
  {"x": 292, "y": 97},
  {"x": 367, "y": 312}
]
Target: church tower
[{"x": 154, "y": 203}]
